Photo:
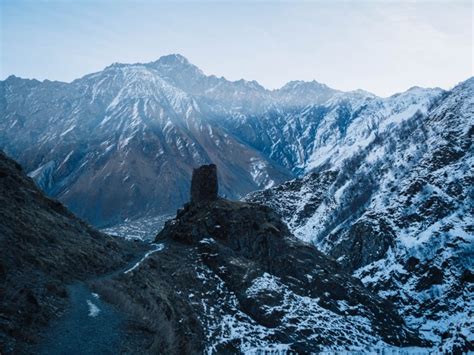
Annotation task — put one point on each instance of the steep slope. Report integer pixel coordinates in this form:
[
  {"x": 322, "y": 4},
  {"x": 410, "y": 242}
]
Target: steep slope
[
  {"x": 43, "y": 247},
  {"x": 398, "y": 214},
  {"x": 231, "y": 278}
]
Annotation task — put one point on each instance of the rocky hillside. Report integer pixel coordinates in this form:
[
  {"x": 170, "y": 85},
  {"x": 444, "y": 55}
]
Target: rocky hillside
[
  {"x": 43, "y": 247},
  {"x": 398, "y": 213},
  {"x": 121, "y": 143},
  {"x": 229, "y": 277}
]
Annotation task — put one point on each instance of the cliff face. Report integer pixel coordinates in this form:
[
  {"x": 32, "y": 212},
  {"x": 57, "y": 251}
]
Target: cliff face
[{"x": 43, "y": 247}]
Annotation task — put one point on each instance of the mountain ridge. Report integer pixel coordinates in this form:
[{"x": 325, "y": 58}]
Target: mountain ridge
[
  {"x": 89, "y": 136},
  {"x": 184, "y": 61}
]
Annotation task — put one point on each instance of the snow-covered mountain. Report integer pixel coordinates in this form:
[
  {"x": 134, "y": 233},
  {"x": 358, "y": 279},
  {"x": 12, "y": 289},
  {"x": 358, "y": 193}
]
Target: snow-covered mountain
[
  {"x": 391, "y": 198},
  {"x": 304, "y": 138},
  {"x": 121, "y": 143}
]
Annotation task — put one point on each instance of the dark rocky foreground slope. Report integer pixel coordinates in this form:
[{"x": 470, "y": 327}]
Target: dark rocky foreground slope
[
  {"x": 43, "y": 247},
  {"x": 230, "y": 277}
]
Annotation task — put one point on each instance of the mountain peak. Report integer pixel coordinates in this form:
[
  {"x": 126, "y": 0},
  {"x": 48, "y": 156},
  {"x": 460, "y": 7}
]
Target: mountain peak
[
  {"x": 469, "y": 83},
  {"x": 291, "y": 85},
  {"x": 171, "y": 59},
  {"x": 177, "y": 68},
  {"x": 115, "y": 65}
]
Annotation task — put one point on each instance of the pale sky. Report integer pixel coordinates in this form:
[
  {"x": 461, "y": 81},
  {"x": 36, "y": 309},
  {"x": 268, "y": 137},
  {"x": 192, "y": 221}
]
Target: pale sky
[{"x": 380, "y": 46}]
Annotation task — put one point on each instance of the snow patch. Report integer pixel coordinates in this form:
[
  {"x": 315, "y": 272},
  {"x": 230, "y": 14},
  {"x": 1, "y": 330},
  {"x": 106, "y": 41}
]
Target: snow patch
[
  {"x": 93, "y": 309},
  {"x": 158, "y": 247}
]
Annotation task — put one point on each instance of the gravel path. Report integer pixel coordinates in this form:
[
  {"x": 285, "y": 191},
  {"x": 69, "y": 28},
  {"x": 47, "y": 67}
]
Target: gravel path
[{"x": 89, "y": 325}]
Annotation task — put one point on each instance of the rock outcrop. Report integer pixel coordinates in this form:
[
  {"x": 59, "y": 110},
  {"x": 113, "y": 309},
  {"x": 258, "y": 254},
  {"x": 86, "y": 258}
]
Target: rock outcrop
[{"x": 283, "y": 284}]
